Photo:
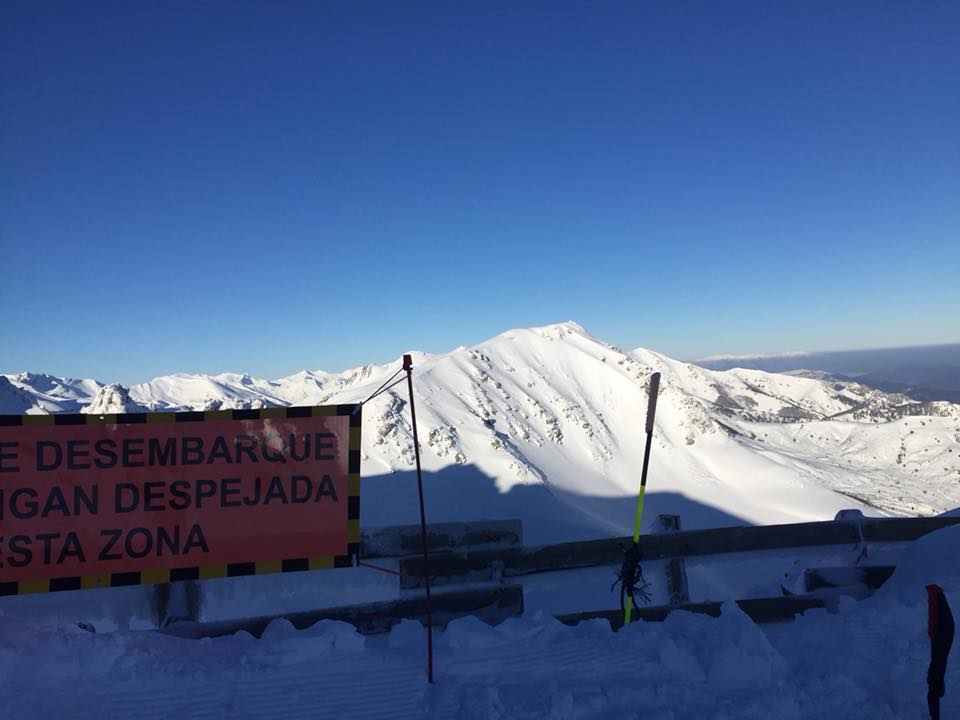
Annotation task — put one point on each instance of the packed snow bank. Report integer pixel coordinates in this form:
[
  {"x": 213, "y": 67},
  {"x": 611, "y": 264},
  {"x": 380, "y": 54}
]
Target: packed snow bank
[
  {"x": 868, "y": 661},
  {"x": 875, "y": 653},
  {"x": 528, "y": 667},
  {"x": 934, "y": 558}
]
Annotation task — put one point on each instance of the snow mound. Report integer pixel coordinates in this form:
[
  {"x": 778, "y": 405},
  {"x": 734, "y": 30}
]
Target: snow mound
[{"x": 867, "y": 663}]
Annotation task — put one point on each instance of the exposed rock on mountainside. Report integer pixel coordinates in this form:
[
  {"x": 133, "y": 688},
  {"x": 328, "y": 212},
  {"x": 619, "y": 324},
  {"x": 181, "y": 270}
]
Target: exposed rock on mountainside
[{"x": 112, "y": 399}]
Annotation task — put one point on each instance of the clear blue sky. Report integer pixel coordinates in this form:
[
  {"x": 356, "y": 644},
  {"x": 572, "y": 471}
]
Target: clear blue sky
[{"x": 206, "y": 186}]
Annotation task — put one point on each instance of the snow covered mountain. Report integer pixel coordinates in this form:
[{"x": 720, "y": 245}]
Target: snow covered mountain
[{"x": 556, "y": 409}]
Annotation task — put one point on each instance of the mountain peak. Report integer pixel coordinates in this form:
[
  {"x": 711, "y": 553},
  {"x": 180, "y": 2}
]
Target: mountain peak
[
  {"x": 560, "y": 329},
  {"x": 551, "y": 331}
]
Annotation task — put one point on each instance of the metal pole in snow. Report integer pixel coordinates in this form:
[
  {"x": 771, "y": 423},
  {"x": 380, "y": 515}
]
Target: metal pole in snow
[
  {"x": 408, "y": 366},
  {"x": 651, "y": 412}
]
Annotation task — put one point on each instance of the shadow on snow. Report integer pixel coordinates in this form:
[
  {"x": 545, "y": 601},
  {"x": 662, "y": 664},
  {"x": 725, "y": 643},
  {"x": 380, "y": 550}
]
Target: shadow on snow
[{"x": 549, "y": 514}]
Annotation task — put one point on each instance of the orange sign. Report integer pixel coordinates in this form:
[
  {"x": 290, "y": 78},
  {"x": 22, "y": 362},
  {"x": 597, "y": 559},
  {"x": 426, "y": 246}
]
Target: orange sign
[{"x": 90, "y": 501}]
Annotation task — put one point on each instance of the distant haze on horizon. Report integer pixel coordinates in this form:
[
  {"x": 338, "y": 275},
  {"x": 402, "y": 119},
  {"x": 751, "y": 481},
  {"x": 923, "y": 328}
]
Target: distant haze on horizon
[
  {"x": 798, "y": 354},
  {"x": 924, "y": 372},
  {"x": 241, "y": 186}
]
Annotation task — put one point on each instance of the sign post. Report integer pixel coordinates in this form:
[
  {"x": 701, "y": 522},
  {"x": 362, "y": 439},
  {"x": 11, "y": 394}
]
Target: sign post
[
  {"x": 408, "y": 367},
  {"x": 90, "y": 501}
]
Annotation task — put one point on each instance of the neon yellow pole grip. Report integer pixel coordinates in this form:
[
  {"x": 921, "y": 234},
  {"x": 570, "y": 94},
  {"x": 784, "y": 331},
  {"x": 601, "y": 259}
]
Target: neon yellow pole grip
[{"x": 651, "y": 413}]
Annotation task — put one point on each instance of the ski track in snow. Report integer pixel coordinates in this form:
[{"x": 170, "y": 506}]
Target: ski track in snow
[{"x": 301, "y": 691}]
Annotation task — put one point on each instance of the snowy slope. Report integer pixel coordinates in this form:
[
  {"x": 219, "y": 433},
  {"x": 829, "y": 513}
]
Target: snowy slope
[
  {"x": 553, "y": 417},
  {"x": 866, "y": 662}
]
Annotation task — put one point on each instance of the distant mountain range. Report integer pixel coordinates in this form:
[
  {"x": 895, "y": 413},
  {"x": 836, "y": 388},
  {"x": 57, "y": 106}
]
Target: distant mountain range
[
  {"x": 554, "y": 418},
  {"x": 930, "y": 372}
]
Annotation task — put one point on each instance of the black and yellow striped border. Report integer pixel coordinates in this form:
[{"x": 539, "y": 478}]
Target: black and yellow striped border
[{"x": 207, "y": 572}]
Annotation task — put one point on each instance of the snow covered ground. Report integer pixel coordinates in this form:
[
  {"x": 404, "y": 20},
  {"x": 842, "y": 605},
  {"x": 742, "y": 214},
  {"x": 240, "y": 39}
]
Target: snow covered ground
[
  {"x": 867, "y": 661},
  {"x": 545, "y": 425}
]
